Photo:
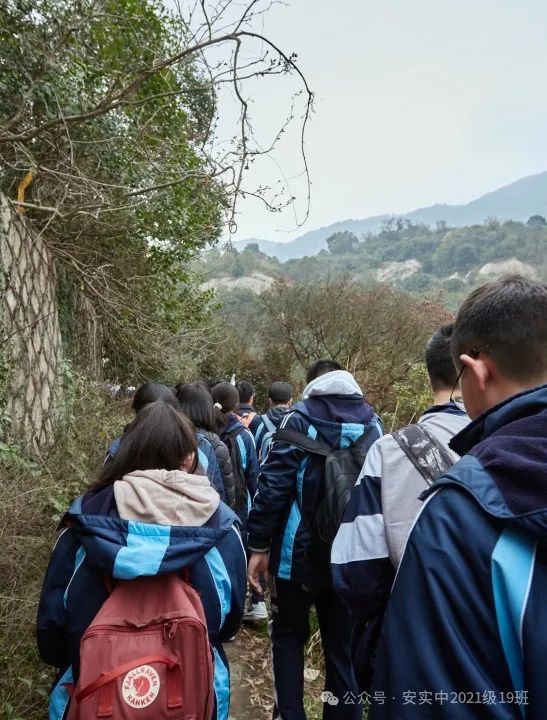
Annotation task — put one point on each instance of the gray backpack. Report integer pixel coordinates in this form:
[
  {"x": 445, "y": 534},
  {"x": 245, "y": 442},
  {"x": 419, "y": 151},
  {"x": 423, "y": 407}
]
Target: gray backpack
[{"x": 424, "y": 451}]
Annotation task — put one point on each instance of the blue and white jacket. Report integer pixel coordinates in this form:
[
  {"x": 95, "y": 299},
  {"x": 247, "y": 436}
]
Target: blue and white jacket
[
  {"x": 244, "y": 410},
  {"x": 95, "y": 542},
  {"x": 466, "y": 624},
  {"x": 208, "y": 463},
  {"x": 365, "y": 552},
  {"x": 290, "y": 481},
  {"x": 249, "y": 460}
]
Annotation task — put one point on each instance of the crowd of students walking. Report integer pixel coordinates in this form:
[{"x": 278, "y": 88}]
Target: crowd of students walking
[{"x": 428, "y": 587}]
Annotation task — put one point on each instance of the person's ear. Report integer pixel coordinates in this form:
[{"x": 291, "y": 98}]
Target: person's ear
[{"x": 479, "y": 369}]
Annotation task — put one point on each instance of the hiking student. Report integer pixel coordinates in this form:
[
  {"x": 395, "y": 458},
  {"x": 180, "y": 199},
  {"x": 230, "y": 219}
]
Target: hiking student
[
  {"x": 287, "y": 534},
  {"x": 245, "y": 410},
  {"x": 146, "y": 579},
  {"x": 197, "y": 404},
  {"x": 368, "y": 547},
  {"x": 242, "y": 449},
  {"x": 150, "y": 392},
  {"x": 280, "y": 399},
  {"x": 467, "y": 617}
]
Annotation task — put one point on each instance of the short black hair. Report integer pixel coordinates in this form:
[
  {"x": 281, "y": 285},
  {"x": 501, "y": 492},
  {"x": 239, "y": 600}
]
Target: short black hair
[
  {"x": 245, "y": 390},
  {"x": 196, "y": 403},
  {"x": 438, "y": 358},
  {"x": 506, "y": 319},
  {"x": 321, "y": 367},
  {"x": 280, "y": 393}
]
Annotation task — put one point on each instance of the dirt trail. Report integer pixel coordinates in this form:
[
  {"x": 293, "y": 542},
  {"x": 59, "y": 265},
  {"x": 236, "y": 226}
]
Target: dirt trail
[
  {"x": 249, "y": 657},
  {"x": 251, "y": 676}
]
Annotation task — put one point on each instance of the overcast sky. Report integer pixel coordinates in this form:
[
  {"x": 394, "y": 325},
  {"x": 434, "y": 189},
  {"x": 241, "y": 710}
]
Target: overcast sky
[{"x": 417, "y": 102}]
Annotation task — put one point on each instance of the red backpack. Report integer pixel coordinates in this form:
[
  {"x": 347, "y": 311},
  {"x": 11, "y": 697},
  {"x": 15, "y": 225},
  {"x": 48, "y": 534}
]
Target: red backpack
[{"x": 146, "y": 655}]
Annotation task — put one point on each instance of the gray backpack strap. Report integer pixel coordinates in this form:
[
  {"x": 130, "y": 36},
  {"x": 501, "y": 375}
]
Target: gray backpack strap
[
  {"x": 424, "y": 451},
  {"x": 270, "y": 427}
]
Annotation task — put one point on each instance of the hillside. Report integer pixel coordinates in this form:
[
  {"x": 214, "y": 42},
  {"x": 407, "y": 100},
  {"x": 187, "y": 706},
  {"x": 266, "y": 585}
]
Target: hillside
[
  {"x": 517, "y": 201},
  {"x": 413, "y": 257}
]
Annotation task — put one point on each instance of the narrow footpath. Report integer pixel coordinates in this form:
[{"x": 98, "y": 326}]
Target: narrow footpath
[{"x": 251, "y": 675}]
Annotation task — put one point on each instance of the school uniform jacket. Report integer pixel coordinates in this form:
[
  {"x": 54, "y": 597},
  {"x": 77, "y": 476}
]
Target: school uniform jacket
[
  {"x": 290, "y": 480},
  {"x": 95, "y": 542},
  {"x": 465, "y": 633},
  {"x": 248, "y": 458},
  {"x": 383, "y": 504}
]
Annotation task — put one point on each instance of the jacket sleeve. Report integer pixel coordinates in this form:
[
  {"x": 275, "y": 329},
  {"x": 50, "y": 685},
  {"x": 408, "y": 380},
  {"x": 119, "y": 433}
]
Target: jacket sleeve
[
  {"x": 258, "y": 429},
  {"x": 362, "y": 572},
  {"x": 227, "y": 471},
  {"x": 235, "y": 560},
  {"x": 276, "y": 490},
  {"x": 52, "y": 618},
  {"x": 252, "y": 467}
]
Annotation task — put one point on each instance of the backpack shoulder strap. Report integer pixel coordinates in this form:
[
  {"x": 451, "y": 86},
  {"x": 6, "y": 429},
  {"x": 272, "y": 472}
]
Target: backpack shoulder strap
[
  {"x": 234, "y": 432},
  {"x": 268, "y": 423},
  {"x": 424, "y": 451},
  {"x": 301, "y": 441}
]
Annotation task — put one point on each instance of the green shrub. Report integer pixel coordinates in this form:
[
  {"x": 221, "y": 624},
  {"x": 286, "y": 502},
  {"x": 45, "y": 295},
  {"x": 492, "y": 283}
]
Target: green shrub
[{"x": 33, "y": 498}]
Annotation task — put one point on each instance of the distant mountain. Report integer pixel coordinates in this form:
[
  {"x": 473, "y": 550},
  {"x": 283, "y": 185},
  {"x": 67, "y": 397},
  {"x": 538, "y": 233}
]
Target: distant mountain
[{"x": 517, "y": 201}]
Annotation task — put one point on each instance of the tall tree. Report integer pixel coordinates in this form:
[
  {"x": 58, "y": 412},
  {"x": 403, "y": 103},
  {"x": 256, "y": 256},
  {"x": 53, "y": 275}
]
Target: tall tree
[{"x": 108, "y": 144}]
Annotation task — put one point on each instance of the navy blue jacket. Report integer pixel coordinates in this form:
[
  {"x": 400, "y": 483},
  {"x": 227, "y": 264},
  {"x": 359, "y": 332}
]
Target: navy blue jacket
[
  {"x": 245, "y": 409},
  {"x": 207, "y": 459},
  {"x": 467, "y": 618},
  {"x": 290, "y": 482},
  {"x": 249, "y": 460},
  {"x": 96, "y": 542},
  {"x": 267, "y": 426}
]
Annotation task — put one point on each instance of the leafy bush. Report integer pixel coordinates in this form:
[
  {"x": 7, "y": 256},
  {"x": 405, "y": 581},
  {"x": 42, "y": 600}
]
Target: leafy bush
[{"x": 33, "y": 497}]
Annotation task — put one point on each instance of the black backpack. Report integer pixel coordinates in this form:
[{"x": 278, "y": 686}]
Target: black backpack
[
  {"x": 229, "y": 438},
  {"x": 342, "y": 468}
]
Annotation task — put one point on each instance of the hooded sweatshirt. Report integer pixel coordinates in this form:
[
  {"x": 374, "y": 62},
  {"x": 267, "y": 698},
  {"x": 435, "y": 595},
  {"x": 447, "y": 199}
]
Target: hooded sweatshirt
[
  {"x": 207, "y": 459},
  {"x": 467, "y": 620},
  {"x": 333, "y": 410},
  {"x": 149, "y": 523}
]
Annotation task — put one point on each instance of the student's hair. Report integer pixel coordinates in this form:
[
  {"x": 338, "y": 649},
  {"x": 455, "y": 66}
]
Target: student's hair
[
  {"x": 225, "y": 395},
  {"x": 197, "y": 404},
  {"x": 280, "y": 393},
  {"x": 507, "y": 320},
  {"x": 159, "y": 438},
  {"x": 245, "y": 391},
  {"x": 207, "y": 385},
  {"x": 150, "y": 392},
  {"x": 321, "y": 367},
  {"x": 438, "y": 358}
]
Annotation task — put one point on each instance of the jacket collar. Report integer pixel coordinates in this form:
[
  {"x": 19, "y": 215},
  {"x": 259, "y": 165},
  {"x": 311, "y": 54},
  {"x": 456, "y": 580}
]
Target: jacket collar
[{"x": 518, "y": 406}]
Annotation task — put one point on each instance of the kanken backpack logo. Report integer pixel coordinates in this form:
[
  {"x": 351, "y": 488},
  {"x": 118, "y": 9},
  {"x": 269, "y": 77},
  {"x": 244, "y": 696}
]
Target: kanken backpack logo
[
  {"x": 146, "y": 655},
  {"x": 141, "y": 686}
]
